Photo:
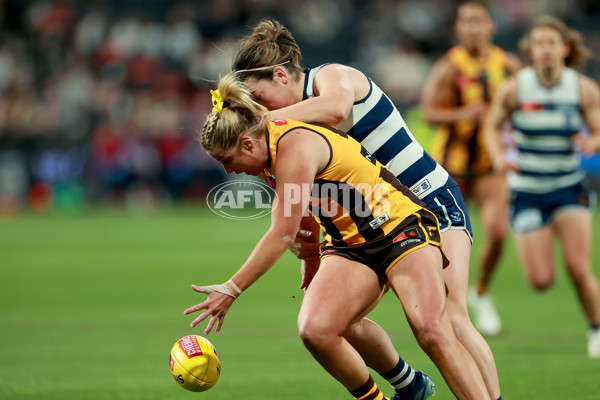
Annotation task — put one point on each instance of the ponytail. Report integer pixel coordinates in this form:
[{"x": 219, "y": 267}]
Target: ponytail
[
  {"x": 234, "y": 112},
  {"x": 270, "y": 44}
]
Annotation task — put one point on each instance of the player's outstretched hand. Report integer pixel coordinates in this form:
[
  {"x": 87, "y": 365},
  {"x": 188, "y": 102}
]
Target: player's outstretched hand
[{"x": 216, "y": 305}]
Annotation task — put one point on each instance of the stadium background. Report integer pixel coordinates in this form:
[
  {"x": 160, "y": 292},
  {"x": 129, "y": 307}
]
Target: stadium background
[{"x": 101, "y": 173}]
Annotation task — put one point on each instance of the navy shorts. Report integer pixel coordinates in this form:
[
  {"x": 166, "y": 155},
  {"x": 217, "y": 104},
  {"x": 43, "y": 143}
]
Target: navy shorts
[
  {"x": 451, "y": 210},
  {"x": 531, "y": 211}
]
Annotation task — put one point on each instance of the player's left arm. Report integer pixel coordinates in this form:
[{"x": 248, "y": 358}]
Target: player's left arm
[
  {"x": 299, "y": 158},
  {"x": 298, "y": 161},
  {"x": 590, "y": 108}
]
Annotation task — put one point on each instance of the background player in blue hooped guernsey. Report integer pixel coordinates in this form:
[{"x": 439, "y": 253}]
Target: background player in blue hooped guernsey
[{"x": 547, "y": 103}]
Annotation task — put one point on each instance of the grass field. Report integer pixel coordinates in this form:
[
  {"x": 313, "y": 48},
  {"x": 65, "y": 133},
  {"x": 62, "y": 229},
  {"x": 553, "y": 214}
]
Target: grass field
[{"x": 91, "y": 304}]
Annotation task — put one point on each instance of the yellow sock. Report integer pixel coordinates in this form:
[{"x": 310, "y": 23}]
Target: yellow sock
[{"x": 368, "y": 391}]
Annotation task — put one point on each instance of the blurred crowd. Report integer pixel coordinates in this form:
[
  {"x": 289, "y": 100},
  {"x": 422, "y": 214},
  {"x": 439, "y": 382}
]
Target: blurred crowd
[{"x": 102, "y": 101}]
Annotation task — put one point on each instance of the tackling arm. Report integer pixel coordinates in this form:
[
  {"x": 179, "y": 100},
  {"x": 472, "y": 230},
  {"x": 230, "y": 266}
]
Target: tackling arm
[{"x": 333, "y": 103}]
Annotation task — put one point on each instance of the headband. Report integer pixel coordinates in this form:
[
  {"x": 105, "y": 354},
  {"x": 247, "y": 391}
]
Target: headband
[{"x": 259, "y": 68}]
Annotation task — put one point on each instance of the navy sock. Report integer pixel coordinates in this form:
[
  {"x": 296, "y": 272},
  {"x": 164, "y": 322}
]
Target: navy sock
[
  {"x": 500, "y": 398},
  {"x": 403, "y": 378}
]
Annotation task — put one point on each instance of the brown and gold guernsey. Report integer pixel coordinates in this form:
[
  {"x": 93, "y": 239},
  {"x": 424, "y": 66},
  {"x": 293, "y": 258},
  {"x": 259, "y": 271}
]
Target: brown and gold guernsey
[
  {"x": 459, "y": 147},
  {"x": 354, "y": 198}
]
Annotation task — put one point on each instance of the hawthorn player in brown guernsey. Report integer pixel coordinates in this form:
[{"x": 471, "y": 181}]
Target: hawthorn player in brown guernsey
[
  {"x": 348, "y": 282},
  {"x": 455, "y": 98}
]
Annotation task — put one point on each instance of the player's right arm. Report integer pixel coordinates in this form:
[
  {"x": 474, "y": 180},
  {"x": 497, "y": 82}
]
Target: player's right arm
[
  {"x": 333, "y": 102},
  {"x": 501, "y": 109},
  {"x": 438, "y": 98}
]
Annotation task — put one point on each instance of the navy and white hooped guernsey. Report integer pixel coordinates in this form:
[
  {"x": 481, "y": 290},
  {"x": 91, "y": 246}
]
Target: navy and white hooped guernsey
[
  {"x": 375, "y": 122},
  {"x": 544, "y": 122}
]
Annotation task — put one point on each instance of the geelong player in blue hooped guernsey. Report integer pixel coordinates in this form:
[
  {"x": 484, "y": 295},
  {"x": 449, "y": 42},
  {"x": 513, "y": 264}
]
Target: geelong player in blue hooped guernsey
[
  {"x": 547, "y": 103},
  {"x": 268, "y": 62}
]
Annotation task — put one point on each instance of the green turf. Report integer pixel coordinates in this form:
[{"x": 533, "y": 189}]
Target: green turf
[{"x": 91, "y": 304}]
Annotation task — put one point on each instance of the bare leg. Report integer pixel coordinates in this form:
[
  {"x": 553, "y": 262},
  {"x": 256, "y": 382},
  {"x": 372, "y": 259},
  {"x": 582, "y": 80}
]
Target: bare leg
[
  {"x": 372, "y": 342},
  {"x": 491, "y": 196},
  {"x": 418, "y": 282},
  {"x": 330, "y": 305},
  {"x": 377, "y": 350},
  {"x": 457, "y": 246},
  {"x": 574, "y": 230},
  {"x": 535, "y": 251}
]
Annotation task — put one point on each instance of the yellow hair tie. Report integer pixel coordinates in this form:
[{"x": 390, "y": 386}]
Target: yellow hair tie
[{"x": 217, "y": 102}]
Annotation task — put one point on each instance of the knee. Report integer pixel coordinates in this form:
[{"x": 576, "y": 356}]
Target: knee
[
  {"x": 433, "y": 337},
  {"x": 353, "y": 330},
  {"x": 541, "y": 283},
  {"x": 461, "y": 323},
  {"x": 314, "y": 332},
  {"x": 496, "y": 228},
  {"x": 578, "y": 271},
  {"x": 496, "y": 233}
]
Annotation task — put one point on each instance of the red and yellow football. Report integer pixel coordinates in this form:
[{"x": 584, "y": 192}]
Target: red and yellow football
[{"x": 194, "y": 363}]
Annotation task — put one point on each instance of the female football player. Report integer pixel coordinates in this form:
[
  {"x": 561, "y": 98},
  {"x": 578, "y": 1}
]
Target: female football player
[
  {"x": 269, "y": 64},
  {"x": 455, "y": 98},
  {"x": 376, "y": 231},
  {"x": 547, "y": 103}
]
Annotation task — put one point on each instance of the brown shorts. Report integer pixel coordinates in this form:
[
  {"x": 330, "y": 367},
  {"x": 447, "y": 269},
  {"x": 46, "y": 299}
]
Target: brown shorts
[{"x": 416, "y": 231}]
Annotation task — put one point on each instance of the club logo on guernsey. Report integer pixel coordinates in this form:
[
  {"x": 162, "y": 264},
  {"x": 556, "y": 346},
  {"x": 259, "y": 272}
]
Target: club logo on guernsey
[
  {"x": 421, "y": 188},
  {"x": 455, "y": 216},
  {"x": 241, "y": 200},
  {"x": 380, "y": 220}
]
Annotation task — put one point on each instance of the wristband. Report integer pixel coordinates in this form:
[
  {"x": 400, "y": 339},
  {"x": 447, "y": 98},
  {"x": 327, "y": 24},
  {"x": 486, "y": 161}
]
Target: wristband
[
  {"x": 228, "y": 288},
  {"x": 235, "y": 290}
]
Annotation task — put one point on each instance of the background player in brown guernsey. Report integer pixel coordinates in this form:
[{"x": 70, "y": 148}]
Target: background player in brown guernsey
[{"x": 455, "y": 98}]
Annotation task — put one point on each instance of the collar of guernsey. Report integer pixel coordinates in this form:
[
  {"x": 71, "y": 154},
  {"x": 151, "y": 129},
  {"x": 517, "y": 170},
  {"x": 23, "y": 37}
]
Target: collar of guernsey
[
  {"x": 272, "y": 136},
  {"x": 479, "y": 77},
  {"x": 277, "y": 129}
]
